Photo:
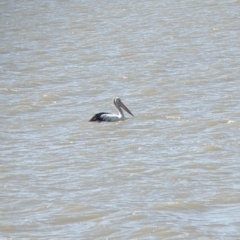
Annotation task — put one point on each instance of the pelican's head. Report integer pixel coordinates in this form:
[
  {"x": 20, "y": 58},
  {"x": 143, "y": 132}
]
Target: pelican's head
[
  {"x": 118, "y": 103},
  {"x": 116, "y": 100}
]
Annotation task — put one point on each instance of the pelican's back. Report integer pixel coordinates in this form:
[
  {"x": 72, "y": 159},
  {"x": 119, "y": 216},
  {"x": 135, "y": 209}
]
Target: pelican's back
[{"x": 98, "y": 117}]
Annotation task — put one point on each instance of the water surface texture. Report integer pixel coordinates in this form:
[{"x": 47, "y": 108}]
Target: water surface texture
[{"x": 169, "y": 172}]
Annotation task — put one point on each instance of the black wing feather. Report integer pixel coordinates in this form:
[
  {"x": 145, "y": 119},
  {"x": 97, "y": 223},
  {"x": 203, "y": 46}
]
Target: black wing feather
[{"x": 97, "y": 117}]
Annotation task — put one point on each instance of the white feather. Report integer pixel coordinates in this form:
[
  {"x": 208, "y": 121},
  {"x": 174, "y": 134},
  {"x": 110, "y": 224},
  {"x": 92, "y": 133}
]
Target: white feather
[{"x": 111, "y": 117}]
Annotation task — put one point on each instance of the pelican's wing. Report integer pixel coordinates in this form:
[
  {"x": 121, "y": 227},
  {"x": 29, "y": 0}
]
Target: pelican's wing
[
  {"x": 109, "y": 117},
  {"x": 98, "y": 117}
]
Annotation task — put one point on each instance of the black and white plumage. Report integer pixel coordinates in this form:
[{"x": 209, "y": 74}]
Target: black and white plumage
[{"x": 109, "y": 117}]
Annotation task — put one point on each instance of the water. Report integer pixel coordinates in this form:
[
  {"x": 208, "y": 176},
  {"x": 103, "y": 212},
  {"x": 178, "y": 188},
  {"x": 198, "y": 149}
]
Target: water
[{"x": 172, "y": 171}]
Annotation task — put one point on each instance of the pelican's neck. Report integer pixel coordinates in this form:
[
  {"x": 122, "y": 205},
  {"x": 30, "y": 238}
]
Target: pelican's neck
[{"x": 120, "y": 112}]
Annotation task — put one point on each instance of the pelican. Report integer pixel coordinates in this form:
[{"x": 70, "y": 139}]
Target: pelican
[{"x": 109, "y": 117}]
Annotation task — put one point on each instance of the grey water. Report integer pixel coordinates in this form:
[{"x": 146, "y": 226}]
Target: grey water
[{"x": 169, "y": 172}]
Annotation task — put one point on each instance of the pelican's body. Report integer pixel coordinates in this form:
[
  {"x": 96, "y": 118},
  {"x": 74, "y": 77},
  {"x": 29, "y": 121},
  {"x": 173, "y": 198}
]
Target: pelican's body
[{"x": 109, "y": 117}]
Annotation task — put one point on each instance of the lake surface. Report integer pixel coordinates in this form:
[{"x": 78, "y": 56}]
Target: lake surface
[{"x": 169, "y": 172}]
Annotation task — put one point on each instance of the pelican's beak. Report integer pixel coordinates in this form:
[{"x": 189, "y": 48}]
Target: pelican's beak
[{"x": 125, "y": 108}]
